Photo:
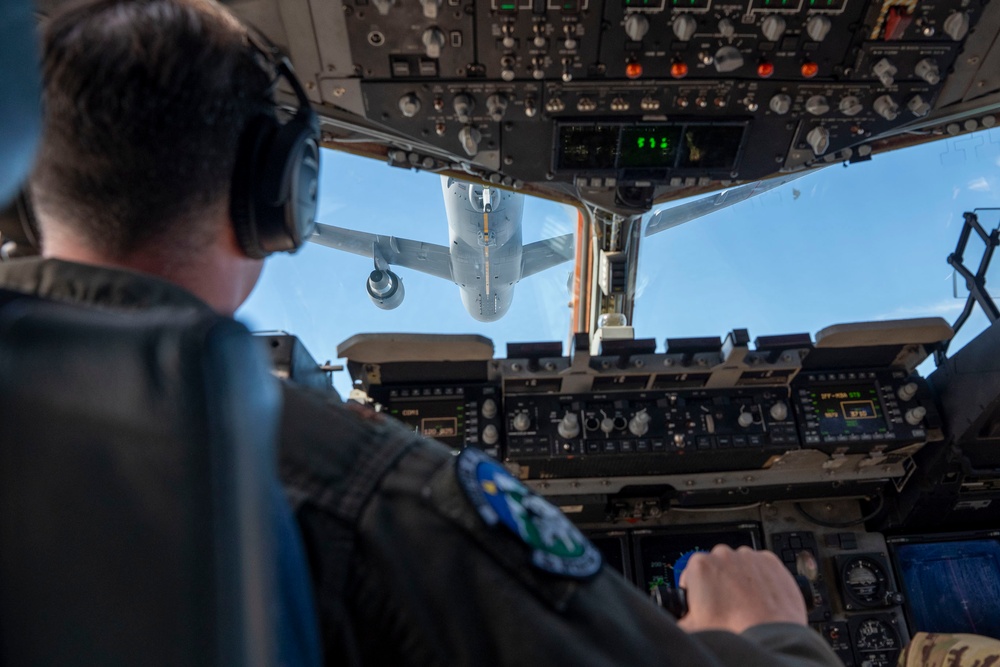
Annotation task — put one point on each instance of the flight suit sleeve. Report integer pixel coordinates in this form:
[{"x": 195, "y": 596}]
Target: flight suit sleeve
[{"x": 436, "y": 584}]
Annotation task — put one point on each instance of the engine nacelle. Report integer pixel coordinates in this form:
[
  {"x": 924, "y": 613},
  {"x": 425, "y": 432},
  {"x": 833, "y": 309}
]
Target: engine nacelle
[{"x": 385, "y": 289}]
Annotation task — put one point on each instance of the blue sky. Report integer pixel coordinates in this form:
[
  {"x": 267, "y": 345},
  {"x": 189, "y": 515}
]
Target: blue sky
[{"x": 865, "y": 242}]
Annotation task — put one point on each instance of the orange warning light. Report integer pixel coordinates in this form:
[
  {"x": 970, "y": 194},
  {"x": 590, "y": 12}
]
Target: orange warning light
[
  {"x": 765, "y": 69},
  {"x": 633, "y": 70},
  {"x": 678, "y": 69},
  {"x": 809, "y": 69}
]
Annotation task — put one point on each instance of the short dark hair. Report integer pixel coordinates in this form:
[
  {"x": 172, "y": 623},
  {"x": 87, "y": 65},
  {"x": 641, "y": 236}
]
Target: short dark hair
[{"x": 144, "y": 104}]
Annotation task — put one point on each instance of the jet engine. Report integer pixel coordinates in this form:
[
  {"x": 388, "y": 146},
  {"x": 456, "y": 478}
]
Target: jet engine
[{"x": 385, "y": 289}]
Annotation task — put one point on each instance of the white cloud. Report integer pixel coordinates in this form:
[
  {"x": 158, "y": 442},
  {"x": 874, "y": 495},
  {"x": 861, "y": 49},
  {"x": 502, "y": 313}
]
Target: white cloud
[
  {"x": 980, "y": 185},
  {"x": 942, "y": 308}
]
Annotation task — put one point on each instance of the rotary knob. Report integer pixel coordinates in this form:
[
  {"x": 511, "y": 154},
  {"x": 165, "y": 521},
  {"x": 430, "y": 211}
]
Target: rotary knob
[
  {"x": 496, "y": 106},
  {"x": 886, "y": 107},
  {"x": 780, "y": 104},
  {"x": 907, "y": 391},
  {"x": 489, "y": 409},
  {"x": 409, "y": 105},
  {"x": 885, "y": 72},
  {"x": 728, "y": 59},
  {"x": 726, "y": 28},
  {"x": 463, "y": 105},
  {"x": 470, "y": 137},
  {"x": 569, "y": 426},
  {"x": 430, "y": 8},
  {"x": 636, "y": 27},
  {"x": 818, "y": 27},
  {"x": 928, "y": 70},
  {"x": 850, "y": 105},
  {"x": 956, "y": 26},
  {"x": 817, "y": 105},
  {"x": 684, "y": 27},
  {"x": 773, "y": 28},
  {"x": 779, "y": 411},
  {"x": 490, "y": 435},
  {"x": 608, "y": 425},
  {"x": 745, "y": 419},
  {"x": 522, "y": 422},
  {"x": 818, "y": 140},
  {"x": 915, "y": 415},
  {"x": 639, "y": 424},
  {"x": 433, "y": 40}
]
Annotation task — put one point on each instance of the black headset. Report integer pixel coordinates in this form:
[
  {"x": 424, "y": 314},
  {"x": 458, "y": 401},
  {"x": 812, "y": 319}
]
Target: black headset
[{"x": 275, "y": 184}]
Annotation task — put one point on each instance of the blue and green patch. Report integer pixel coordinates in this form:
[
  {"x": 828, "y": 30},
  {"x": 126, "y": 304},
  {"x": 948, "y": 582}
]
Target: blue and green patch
[{"x": 557, "y": 546}]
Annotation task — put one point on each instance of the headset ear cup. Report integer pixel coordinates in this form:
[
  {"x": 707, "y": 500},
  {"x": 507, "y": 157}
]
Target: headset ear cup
[
  {"x": 290, "y": 185},
  {"x": 247, "y": 174}
]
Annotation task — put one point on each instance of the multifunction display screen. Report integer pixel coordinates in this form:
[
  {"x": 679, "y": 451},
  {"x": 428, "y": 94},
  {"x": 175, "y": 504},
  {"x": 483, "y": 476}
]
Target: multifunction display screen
[
  {"x": 847, "y": 410},
  {"x": 662, "y": 556},
  {"x": 649, "y": 146}
]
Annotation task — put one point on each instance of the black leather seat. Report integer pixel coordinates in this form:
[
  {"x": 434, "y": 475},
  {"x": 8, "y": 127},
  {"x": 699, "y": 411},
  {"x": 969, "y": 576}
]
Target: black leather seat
[{"x": 136, "y": 476}]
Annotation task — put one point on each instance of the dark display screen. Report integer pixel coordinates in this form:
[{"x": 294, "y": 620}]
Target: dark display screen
[
  {"x": 847, "y": 410},
  {"x": 659, "y": 146},
  {"x": 663, "y": 556},
  {"x": 710, "y": 147},
  {"x": 649, "y": 146},
  {"x": 588, "y": 147},
  {"x": 613, "y": 548},
  {"x": 952, "y": 586}
]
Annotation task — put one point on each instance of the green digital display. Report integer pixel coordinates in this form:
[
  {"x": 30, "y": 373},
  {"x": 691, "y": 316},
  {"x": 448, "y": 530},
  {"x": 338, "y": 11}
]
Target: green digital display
[
  {"x": 779, "y": 5},
  {"x": 649, "y": 146},
  {"x": 690, "y": 4},
  {"x": 644, "y": 4}
]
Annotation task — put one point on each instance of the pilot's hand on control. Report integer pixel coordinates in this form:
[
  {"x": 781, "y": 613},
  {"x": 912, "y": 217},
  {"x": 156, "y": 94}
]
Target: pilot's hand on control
[{"x": 735, "y": 590}]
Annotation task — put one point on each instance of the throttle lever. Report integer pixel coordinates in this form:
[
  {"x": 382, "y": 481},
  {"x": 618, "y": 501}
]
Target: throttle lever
[{"x": 674, "y": 600}]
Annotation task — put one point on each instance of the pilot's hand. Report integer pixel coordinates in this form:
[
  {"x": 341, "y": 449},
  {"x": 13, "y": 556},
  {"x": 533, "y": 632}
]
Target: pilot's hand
[{"x": 735, "y": 590}]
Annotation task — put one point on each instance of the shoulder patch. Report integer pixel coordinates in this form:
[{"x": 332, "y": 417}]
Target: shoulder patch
[{"x": 557, "y": 546}]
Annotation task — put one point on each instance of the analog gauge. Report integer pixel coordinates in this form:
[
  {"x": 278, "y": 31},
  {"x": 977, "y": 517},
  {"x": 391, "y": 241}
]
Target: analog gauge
[
  {"x": 876, "y": 642},
  {"x": 864, "y": 581}
]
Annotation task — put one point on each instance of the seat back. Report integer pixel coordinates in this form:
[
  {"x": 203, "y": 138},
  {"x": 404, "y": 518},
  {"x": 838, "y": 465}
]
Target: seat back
[{"x": 136, "y": 473}]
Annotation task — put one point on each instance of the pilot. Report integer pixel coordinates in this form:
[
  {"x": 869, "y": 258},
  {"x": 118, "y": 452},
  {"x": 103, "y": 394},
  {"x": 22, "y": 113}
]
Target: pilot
[{"x": 417, "y": 556}]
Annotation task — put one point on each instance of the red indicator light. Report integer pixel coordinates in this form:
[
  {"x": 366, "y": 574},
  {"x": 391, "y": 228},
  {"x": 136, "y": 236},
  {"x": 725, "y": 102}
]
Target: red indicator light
[
  {"x": 765, "y": 69},
  {"x": 809, "y": 69},
  {"x": 678, "y": 69},
  {"x": 633, "y": 70}
]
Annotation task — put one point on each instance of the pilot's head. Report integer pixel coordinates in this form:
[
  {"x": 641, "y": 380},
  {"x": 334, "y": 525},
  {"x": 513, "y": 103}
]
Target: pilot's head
[{"x": 145, "y": 103}]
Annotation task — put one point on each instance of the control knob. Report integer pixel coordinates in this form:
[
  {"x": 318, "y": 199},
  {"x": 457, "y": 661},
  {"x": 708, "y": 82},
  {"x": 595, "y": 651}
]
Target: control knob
[
  {"x": 539, "y": 41},
  {"x": 433, "y": 40},
  {"x": 639, "y": 424},
  {"x": 430, "y": 8},
  {"x": 636, "y": 26},
  {"x": 726, "y": 28},
  {"x": 537, "y": 68},
  {"x": 773, "y": 28},
  {"x": 745, "y": 419},
  {"x": 779, "y": 411},
  {"x": 470, "y": 137},
  {"x": 885, "y": 72},
  {"x": 489, "y": 409},
  {"x": 907, "y": 391},
  {"x": 490, "y": 435},
  {"x": 684, "y": 26},
  {"x": 522, "y": 422},
  {"x": 818, "y": 27},
  {"x": 409, "y": 105},
  {"x": 956, "y": 26},
  {"x": 818, "y": 139},
  {"x": 915, "y": 415},
  {"x": 463, "y": 105},
  {"x": 850, "y": 105},
  {"x": 569, "y": 426},
  {"x": 817, "y": 105},
  {"x": 608, "y": 425},
  {"x": 780, "y": 104},
  {"x": 928, "y": 70},
  {"x": 496, "y": 106},
  {"x": 728, "y": 59},
  {"x": 886, "y": 107}
]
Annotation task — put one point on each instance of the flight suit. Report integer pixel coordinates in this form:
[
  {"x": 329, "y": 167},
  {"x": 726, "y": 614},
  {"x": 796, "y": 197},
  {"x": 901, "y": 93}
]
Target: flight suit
[{"x": 421, "y": 557}]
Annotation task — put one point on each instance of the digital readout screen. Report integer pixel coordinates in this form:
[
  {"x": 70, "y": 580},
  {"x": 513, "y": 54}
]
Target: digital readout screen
[
  {"x": 849, "y": 410},
  {"x": 663, "y": 556},
  {"x": 443, "y": 420},
  {"x": 649, "y": 146},
  {"x": 952, "y": 586},
  {"x": 661, "y": 146}
]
